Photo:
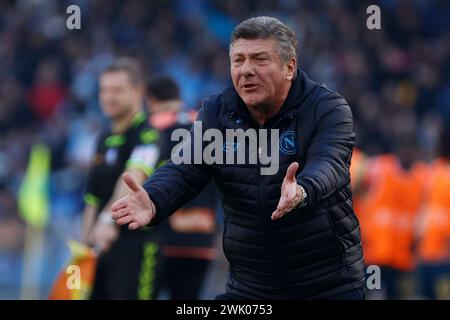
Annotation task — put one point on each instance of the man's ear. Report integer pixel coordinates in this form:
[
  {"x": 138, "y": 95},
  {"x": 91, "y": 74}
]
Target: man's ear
[{"x": 291, "y": 67}]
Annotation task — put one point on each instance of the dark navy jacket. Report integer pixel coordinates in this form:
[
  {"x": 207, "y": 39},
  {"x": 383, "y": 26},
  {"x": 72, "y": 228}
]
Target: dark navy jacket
[{"x": 312, "y": 252}]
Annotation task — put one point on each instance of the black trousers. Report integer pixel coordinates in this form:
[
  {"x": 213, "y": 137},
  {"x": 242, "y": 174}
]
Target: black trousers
[
  {"x": 131, "y": 269},
  {"x": 184, "y": 277}
]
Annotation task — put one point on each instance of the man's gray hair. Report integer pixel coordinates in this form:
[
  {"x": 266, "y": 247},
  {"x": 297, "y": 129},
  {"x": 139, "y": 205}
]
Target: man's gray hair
[{"x": 268, "y": 28}]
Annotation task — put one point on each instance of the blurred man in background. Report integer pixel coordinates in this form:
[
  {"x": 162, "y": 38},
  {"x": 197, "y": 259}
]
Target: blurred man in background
[
  {"x": 388, "y": 216},
  {"x": 188, "y": 245},
  {"x": 434, "y": 227},
  {"x": 128, "y": 263}
]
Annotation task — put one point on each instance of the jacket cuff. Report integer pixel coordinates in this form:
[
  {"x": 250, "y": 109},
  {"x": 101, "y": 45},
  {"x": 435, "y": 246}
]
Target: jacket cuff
[
  {"x": 158, "y": 200},
  {"x": 307, "y": 185}
]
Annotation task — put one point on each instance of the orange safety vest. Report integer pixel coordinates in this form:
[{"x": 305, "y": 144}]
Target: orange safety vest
[
  {"x": 389, "y": 212},
  {"x": 434, "y": 242}
]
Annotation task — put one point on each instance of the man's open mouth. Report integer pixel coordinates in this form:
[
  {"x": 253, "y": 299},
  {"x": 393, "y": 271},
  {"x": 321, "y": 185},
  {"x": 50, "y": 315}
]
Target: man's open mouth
[{"x": 250, "y": 86}]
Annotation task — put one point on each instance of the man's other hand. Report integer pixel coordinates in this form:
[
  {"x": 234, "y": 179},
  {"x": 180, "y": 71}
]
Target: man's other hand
[
  {"x": 103, "y": 235},
  {"x": 291, "y": 193}
]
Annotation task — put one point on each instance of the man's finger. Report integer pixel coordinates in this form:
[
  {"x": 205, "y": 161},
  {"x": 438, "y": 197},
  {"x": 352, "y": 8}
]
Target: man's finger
[
  {"x": 119, "y": 204},
  {"x": 282, "y": 205},
  {"x": 130, "y": 182},
  {"x": 133, "y": 226},
  {"x": 291, "y": 170},
  {"x": 280, "y": 212},
  {"x": 119, "y": 213},
  {"x": 277, "y": 214},
  {"x": 124, "y": 220}
]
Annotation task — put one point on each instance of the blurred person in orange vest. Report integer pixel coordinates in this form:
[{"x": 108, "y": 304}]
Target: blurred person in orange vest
[
  {"x": 358, "y": 174},
  {"x": 434, "y": 228},
  {"x": 396, "y": 186},
  {"x": 359, "y": 181},
  {"x": 188, "y": 239}
]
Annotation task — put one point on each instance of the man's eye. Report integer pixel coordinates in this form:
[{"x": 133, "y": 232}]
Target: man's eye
[{"x": 261, "y": 59}]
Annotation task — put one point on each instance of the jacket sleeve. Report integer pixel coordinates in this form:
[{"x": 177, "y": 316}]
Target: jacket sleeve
[
  {"x": 328, "y": 157},
  {"x": 172, "y": 185}
]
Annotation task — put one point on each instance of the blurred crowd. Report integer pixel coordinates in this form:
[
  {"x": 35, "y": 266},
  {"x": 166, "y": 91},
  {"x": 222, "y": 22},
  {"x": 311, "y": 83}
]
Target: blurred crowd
[{"x": 397, "y": 81}]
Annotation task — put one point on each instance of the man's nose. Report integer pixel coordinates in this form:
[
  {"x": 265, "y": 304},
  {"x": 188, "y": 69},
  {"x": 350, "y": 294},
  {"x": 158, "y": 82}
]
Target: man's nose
[{"x": 247, "y": 68}]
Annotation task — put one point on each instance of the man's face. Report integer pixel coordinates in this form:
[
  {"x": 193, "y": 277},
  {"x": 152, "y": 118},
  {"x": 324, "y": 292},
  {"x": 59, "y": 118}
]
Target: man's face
[
  {"x": 118, "y": 95},
  {"x": 257, "y": 72}
]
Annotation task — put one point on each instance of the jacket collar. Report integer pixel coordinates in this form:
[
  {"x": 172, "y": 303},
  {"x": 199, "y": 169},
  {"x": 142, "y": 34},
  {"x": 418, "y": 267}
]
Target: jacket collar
[{"x": 300, "y": 89}]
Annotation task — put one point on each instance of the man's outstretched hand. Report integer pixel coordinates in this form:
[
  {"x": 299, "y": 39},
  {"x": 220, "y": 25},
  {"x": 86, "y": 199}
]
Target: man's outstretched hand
[
  {"x": 135, "y": 209},
  {"x": 291, "y": 193}
]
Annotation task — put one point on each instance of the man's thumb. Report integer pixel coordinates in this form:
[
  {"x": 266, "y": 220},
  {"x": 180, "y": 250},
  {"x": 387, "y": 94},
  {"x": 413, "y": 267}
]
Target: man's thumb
[
  {"x": 130, "y": 182},
  {"x": 291, "y": 170}
]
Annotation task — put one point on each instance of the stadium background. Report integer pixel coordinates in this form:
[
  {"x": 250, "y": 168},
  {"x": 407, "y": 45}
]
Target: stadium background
[{"x": 397, "y": 81}]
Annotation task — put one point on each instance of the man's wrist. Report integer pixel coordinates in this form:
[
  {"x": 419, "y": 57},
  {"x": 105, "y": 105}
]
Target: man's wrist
[
  {"x": 304, "y": 196},
  {"x": 153, "y": 206}
]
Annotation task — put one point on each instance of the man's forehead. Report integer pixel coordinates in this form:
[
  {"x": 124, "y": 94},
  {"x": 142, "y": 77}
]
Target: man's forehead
[
  {"x": 253, "y": 46},
  {"x": 118, "y": 76}
]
